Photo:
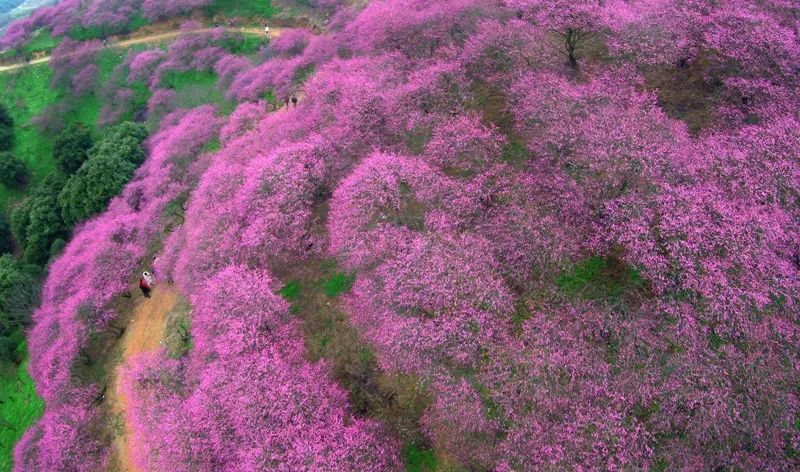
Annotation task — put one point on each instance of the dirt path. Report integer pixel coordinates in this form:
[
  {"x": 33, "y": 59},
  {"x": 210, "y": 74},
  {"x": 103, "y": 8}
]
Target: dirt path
[
  {"x": 150, "y": 38},
  {"x": 144, "y": 333}
]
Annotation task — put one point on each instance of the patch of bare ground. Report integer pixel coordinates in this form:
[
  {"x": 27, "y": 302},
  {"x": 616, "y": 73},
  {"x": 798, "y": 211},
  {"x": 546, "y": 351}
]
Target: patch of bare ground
[{"x": 144, "y": 332}]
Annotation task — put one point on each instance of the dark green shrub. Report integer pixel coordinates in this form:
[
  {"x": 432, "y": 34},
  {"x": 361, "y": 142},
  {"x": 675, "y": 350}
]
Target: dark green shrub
[
  {"x": 6, "y": 130},
  {"x": 89, "y": 190},
  {"x": 37, "y": 222},
  {"x": 110, "y": 166},
  {"x": 13, "y": 172},
  {"x": 20, "y": 218},
  {"x": 71, "y": 147},
  {"x": 5, "y": 118},
  {"x": 6, "y": 138},
  {"x": 57, "y": 246},
  {"x": 19, "y": 293},
  {"x": 123, "y": 141},
  {"x": 6, "y": 239}
]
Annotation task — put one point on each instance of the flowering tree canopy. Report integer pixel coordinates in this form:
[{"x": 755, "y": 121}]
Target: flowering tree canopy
[{"x": 531, "y": 240}]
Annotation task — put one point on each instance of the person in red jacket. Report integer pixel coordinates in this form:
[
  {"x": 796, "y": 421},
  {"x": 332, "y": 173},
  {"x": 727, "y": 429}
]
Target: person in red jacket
[{"x": 146, "y": 284}]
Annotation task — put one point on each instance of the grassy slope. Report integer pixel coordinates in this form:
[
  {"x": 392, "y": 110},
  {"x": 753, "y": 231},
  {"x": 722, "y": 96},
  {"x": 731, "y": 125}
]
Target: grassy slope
[
  {"x": 42, "y": 41},
  {"x": 19, "y": 408},
  {"x": 598, "y": 278},
  {"x": 242, "y": 8},
  {"x": 195, "y": 88},
  {"x": 87, "y": 110},
  {"x": 397, "y": 400},
  {"x": 26, "y": 93}
]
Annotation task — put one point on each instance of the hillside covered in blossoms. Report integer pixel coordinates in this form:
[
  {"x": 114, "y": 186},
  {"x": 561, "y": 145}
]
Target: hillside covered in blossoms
[{"x": 455, "y": 235}]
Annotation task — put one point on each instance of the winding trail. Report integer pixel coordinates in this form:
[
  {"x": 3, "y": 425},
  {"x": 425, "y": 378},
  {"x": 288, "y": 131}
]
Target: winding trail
[
  {"x": 144, "y": 333},
  {"x": 147, "y": 39}
]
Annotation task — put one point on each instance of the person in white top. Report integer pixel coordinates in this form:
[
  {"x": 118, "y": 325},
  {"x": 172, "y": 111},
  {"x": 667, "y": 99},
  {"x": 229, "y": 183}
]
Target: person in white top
[{"x": 146, "y": 284}]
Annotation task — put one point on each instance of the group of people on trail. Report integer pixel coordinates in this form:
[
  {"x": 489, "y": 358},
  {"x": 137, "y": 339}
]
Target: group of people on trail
[{"x": 293, "y": 100}]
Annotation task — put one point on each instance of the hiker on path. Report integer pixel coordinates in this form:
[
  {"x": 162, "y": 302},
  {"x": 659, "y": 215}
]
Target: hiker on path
[
  {"x": 286, "y": 101},
  {"x": 294, "y": 100},
  {"x": 146, "y": 284},
  {"x": 266, "y": 30}
]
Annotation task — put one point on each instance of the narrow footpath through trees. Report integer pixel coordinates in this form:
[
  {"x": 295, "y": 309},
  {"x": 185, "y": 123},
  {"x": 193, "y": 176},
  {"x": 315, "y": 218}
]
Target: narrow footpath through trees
[
  {"x": 144, "y": 333},
  {"x": 147, "y": 39}
]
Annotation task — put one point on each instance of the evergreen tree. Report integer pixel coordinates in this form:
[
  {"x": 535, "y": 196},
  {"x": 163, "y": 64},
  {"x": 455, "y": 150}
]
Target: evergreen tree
[
  {"x": 13, "y": 172},
  {"x": 6, "y": 129},
  {"x": 71, "y": 148}
]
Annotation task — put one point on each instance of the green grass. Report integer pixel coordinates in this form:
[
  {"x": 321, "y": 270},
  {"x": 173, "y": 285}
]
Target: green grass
[
  {"x": 195, "y": 88},
  {"x": 302, "y": 74},
  {"x": 338, "y": 284},
  {"x": 269, "y": 97},
  {"x": 20, "y": 407},
  {"x": 87, "y": 110},
  {"x": 213, "y": 145},
  {"x": 107, "y": 62},
  {"x": 290, "y": 291},
  {"x": 417, "y": 138},
  {"x": 245, "y": 45},
  {"x": 715, "y": 339},
  {"x": 87, "y": 33},
  {"x": 598, "y": 278},
  {"x": 242, "y": 8},
  {"x": 178, "y": 330},
  {"x": 42, "y": 41},
  {"x": 521, "y": 313},
  {"x": 418, "y": 458},
  {"x": 138, "y": 21},
  {"x": 397, "y": 400},
  {"x": 108, "y": 59},
  {"x": 659, "y": 465},
  {"x": 515, "y": 153},
  {"x": 26, "y": 93},
  {"x": 494, "y": 411}
]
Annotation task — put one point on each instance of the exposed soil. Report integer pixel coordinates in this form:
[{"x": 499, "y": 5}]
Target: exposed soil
[{"x": 144, "y": 333}]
